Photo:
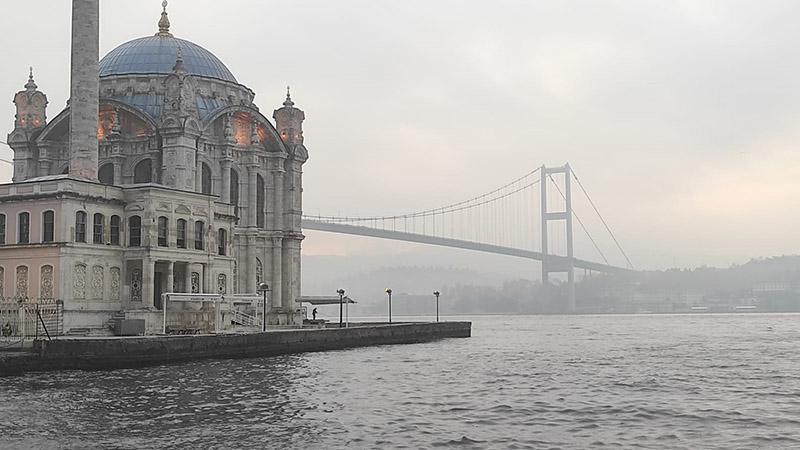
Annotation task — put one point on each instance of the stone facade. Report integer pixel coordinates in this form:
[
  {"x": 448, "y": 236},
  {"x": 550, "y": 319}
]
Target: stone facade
[{"x": 195, "y": 189}]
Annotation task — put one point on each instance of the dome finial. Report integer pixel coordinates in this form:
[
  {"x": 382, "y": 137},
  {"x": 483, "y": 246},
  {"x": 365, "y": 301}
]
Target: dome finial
[
  {"x": 31, "y": 85},
  {"x": 288, "y": 102},
  {"x": 163, "y": 24}
]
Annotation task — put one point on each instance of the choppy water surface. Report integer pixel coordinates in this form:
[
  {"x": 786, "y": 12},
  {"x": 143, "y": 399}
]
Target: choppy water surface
[{"x": 521, "y": 382}]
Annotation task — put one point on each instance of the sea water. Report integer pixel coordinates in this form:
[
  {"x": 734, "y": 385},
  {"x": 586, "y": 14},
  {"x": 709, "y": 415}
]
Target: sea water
[{"x": 662, "y": 381}]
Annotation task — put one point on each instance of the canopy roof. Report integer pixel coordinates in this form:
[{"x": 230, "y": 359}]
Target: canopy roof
[{"x": 323, "y": 300}]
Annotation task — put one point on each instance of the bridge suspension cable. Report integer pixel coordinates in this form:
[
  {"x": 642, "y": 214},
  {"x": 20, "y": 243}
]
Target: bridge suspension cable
[
  {"x": 508, "y": 220},
  {"x": 580, "y": 222},
  {"x": 602, "y": 219},
  {"x": 454, "y": 207}
]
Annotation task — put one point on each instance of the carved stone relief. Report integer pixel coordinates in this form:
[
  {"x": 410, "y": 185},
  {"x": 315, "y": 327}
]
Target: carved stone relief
[
  {"x": 195, "y": 283},
  {"x": 79, "y": 281},
  {"x": 98, "y": 275},
  {"x": 136, "y": 285},
  {"x": 46, "y": 282},
  {"x": 115, "y": 285},
  {"x": 222, "y": 284},
  {"x": 235, "y": 277},
  {"x": 22, "y": 282}
]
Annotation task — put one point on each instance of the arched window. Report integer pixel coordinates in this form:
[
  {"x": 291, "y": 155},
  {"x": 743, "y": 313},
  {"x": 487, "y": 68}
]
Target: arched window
[
  {"x": 260, "y": 201},
  {"x": 115, "y": 229},
  {"x": 2, "y": 229},
  {"x": 80, "y": 226},
  {"x": 106, "y": 174},
  {"x": 181, "y": 238},
  {"x": 24, "y": 228},
  {"x": 235, "y": 192},
  {"x": 199, "y": 232},
  {"x": 135, "y": 231},
  {"x": 143, "y": 172},
  {"x": 205, "y": 187},
  {"x": 222, "y": 241},
  {"x": 48, "y": 226},
  {"x": 163, "y": 231},
  {"x": 98, "y": 228}
]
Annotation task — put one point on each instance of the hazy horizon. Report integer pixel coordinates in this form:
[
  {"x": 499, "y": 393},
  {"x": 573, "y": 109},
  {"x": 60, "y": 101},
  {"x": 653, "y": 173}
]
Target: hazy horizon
[{"x": 681, "y": 117}]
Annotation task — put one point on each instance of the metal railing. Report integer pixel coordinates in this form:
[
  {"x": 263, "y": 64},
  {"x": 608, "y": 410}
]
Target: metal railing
[
  {"x": 22, "y": 318},
  {"x": 243, "y": 319}
]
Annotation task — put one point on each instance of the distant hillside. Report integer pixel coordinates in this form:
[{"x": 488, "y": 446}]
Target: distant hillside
[{"x": 768, "y": 284}]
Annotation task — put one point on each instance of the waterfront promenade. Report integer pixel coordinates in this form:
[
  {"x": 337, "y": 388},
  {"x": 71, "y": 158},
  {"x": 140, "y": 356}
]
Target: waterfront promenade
[{"x": 105, "y": 353}]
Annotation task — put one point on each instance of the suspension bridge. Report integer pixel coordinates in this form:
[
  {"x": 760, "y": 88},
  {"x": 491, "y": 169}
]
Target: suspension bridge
[{"x": 531, "y": 217}]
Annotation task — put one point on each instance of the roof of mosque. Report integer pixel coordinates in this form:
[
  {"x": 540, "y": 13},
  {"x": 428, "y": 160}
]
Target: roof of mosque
[{"x": 157, "y": 55}]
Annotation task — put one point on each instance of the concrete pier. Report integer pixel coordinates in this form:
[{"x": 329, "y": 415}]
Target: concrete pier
[{"x": 117, "y": 353}]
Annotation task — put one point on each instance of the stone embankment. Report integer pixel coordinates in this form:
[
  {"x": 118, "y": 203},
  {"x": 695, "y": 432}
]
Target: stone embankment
[{"x": 128, "y": 352}]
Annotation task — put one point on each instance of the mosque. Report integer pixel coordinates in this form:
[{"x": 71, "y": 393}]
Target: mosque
[{"x": 170, "y": 180}]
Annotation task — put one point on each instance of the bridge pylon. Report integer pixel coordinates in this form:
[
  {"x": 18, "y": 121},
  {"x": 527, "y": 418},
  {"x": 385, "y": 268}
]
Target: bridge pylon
[{"x": 557, "y": 263}]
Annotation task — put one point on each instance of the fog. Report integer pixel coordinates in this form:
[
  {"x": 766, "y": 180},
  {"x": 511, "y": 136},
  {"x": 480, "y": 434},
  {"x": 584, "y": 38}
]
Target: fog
[{"x": 681, "y": 117}]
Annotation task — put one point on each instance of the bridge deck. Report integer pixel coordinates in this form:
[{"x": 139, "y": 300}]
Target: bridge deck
[{"x": 556, "y": 261}]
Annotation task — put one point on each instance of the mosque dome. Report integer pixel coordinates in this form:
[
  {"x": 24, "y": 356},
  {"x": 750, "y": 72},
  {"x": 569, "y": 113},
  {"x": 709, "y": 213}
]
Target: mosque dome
[{"x": 155, "y": 55}]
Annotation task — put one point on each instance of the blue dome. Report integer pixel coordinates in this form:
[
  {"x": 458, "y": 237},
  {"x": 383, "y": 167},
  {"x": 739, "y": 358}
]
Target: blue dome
[{"x": 157, "y": 54}]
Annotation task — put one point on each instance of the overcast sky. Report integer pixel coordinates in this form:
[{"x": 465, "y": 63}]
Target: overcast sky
[{"x": 682, "y": 117}]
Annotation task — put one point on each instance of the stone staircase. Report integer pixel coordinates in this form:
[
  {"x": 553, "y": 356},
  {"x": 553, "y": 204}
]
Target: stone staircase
[
  {"x": 89, "y": 332},
  {"x": 106, "y": 330},
  {"x": 118, "y": 317}
]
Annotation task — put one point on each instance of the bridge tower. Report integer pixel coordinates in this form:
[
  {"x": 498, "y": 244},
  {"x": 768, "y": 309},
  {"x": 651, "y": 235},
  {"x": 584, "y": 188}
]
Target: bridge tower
[{"x": 557, "y": 263}]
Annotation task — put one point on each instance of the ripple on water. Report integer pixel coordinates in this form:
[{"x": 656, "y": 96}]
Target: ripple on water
[{"x": 520, "y": 382}]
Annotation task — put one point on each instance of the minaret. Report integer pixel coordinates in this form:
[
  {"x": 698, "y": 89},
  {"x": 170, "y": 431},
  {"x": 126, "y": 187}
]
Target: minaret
[
  {"x": 289, "y": 121},
  {"x": 31, "y": 106},
  {"x": 84, "y": 89},
  {"x": 31, "y": 114},
  {"x": 288, "y": 182}
]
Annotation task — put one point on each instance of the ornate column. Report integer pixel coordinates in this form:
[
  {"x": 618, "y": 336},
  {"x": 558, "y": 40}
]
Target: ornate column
[
  {"x": 250, "y": 266},
  {"x": 148, "y": 280},
  {"x": 45, "y": 163},
  {"x": 252, "y": 186},
  {"x": 118, "y": 171},
  {"x": 117, "y": 157},
  {"x": 279, "y": 188},
  {"x": 187, "y": 287},
  {"x": 226, "y": 181},
  {"x": 207, "y": 287},
  {"x": 170, "y": 277},
  {"x": 277, "y": 266},
  {"x": 198, "y": 176}
]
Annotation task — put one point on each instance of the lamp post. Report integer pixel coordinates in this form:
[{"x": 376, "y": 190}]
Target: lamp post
[
  {"x": 264, "y": 288},
  {"x": 341, "y": 302},
  {"x": 389, "y": 293},
  {"x": 437, "y": 293}
]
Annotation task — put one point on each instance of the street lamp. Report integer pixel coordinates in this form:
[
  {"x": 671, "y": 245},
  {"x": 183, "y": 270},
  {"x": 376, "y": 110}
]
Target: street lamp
[
  {"x": 264, "y": 288},
  {"x": 341, "y": 302},
  {"x": 389, "y": 293},
  {"x": 437, "y": 293}
]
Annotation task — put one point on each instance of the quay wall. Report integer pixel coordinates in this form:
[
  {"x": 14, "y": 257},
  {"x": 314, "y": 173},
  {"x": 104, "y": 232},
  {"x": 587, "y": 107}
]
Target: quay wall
[{"x": 128, "y": 352}]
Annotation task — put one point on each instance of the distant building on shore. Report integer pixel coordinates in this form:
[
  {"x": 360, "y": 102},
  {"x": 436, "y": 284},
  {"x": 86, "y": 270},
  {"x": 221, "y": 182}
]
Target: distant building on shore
[{"x": 181, "y": 184}]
